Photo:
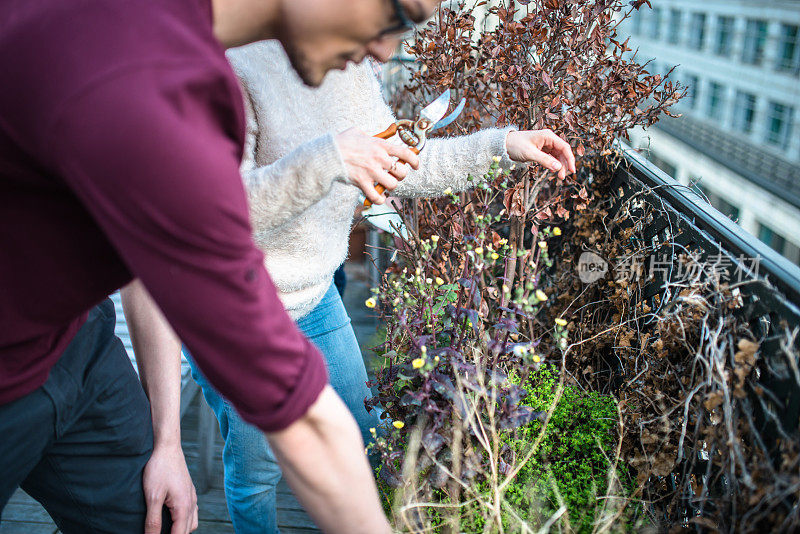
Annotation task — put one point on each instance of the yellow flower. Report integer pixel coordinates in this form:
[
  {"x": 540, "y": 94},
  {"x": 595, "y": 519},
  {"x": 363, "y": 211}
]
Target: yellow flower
[
  {"x": 503, "y": 241},
  {"x": 543, "y": 244},
  {"x": 541, "y": 295},
  {"x": 561, "y": 322},
  {"x": 479, "y": 251},
  {"x": 448, "y": 191},
  {"x": 496, "y": 159},
  {"x": 495, "y": 255},
  {"x": 398, "y": 424},
  {"x": 556, "y": 231},
  {"x": 370, "y": 302},
  {"x": 434, "y": 238},
  {"x": 439, "y": 281},
  {"x": 536, "y": 358},
  {"x": 417, "y": 363}
]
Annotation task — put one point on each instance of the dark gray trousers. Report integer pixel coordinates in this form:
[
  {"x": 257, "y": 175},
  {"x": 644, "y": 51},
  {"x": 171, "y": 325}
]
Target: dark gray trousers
[{"x": 79, "y": 443}]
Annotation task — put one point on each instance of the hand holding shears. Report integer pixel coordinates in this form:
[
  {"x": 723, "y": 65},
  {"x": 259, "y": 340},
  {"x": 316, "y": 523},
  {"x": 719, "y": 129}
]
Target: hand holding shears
[{"x": 414, "y": 133}]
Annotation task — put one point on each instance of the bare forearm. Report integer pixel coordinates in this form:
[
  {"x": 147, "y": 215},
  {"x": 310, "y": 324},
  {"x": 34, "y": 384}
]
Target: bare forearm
[
  {"x": 158, "y": 358},
  {"x": 322, "y": 457}
]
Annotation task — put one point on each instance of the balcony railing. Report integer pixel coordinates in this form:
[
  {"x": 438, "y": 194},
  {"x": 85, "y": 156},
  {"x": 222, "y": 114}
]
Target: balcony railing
[{"x": 770, "y": 294}]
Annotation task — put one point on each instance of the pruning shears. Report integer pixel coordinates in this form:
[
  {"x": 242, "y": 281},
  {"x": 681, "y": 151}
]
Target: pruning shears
[{"x": 414, "y": 133}]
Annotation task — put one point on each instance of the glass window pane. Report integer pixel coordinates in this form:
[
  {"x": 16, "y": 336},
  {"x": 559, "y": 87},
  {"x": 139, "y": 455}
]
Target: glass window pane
[
  {"x": 655, "y": 23},
  {"x": 788, "y": 58},
  {"x": 722, "y": 44},
  {"x": 697, "y": 31},
  {"x": 674, "y": 36},
  {"x": 771, "y": 238},
  {"x": 779, "y": 124},
  {"x": 744, "y": 112},
  {"x": 636, "y": 22},
  {"x": 692, "y": 84},
  {"x": 714, "y": 103},
  {"x": 755, "y": 38}
]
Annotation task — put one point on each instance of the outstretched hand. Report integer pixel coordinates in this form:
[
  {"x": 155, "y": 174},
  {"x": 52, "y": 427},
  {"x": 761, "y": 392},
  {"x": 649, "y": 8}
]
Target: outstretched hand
[
  {"x": 370, "y": 160},
  {"x": 543, "y": 147}
]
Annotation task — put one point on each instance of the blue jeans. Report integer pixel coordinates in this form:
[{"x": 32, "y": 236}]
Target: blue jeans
[{"x": 251, "y": 471}]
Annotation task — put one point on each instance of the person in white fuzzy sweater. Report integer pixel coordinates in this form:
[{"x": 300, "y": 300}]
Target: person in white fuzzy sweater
[{"x": 304, "y": 181}]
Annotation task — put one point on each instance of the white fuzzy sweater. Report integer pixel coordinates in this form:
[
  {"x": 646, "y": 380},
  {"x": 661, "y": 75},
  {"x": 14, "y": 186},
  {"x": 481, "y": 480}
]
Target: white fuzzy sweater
[{"x": 300, "y": 201}]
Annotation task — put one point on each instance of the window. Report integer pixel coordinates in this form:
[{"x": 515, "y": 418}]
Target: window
[
  {"x": 792, "y": 252},
  {"x": 779, "y": 243},
  {"x": 692, "y": 84},
  {"x": 722, "y": 205},
  {"x": 674, "y": 35},
  {"x": 697, "y": 31},
  {"x": 725, "y": 207},
  {"x": 779, "y": 124},
  {"x": 655, "y": 23},
  {"x": 636, "y": 22},
  {"x": 714, "y": 103},
  {"x": 663, "y": 164},
  {"x": 744, "y": 111},
  {"x": 768, "y": 236},
  {"x": 755, "y": 38},
  {"x": 722, "y": 43},
  {"x": 788, "y": 58}
]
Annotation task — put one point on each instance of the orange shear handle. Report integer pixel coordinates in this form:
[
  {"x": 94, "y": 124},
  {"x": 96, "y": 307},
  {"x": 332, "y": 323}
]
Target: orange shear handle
[{"x": 386, "y": 134}]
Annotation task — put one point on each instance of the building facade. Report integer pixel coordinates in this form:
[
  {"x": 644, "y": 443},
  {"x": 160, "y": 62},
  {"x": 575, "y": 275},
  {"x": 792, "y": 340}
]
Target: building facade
[{"x": 738, "y": 138}]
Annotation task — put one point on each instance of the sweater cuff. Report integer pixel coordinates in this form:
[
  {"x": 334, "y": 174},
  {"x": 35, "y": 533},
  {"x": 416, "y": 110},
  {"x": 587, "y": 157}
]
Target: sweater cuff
[
  {"x": 323, "y": 161},
  {"x": 498, "y": 146},
  {"x": 308, "y": 386}
]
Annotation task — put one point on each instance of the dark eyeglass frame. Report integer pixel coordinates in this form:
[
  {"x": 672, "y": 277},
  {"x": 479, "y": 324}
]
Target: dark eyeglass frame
[{"x": 404, "y": 22}]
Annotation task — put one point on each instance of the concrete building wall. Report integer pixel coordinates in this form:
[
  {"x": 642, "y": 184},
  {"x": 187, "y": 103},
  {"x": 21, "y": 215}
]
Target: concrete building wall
[{"x": 700, "y": 64}]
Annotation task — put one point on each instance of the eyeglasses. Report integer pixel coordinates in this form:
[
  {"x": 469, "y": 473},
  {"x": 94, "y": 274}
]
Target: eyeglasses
[{"x": 403, "y": 24}]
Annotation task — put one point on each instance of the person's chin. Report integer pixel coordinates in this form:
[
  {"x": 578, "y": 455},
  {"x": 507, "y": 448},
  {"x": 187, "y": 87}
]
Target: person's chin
[
  {"x": 304, "y": 69},
  {"x": 310, "y": 79}
]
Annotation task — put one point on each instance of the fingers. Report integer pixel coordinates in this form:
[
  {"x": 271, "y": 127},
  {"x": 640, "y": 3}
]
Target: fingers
[
  {"x": 152, "y": 519},
  {"x": 561, "y": 149},
  {"x": 404, "y": 153},
  {"x": 184, "y": 514},
  {"x": 375, "y": 180},
  {"x": 195, "y": 520},
  {"x": 372, "y": 193},
  {"x": 398, "y": 170},
  {"x": 180, "y": 520},
  {"x": 546, "y": 160},
  {"x": 195, "y": 513}
]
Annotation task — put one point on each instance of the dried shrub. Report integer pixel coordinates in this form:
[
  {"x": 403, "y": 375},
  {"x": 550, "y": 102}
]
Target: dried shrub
[{"x": 707, "y": 431}]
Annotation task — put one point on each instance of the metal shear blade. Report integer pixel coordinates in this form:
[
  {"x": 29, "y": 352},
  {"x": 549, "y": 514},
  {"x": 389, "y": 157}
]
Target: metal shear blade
[
  {"x": 450, "y": 118},
  {"x": 436, "y": 109}
]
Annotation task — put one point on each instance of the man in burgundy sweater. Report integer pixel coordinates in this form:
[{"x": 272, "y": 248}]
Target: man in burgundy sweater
[{"x": 121, "y": 130}]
